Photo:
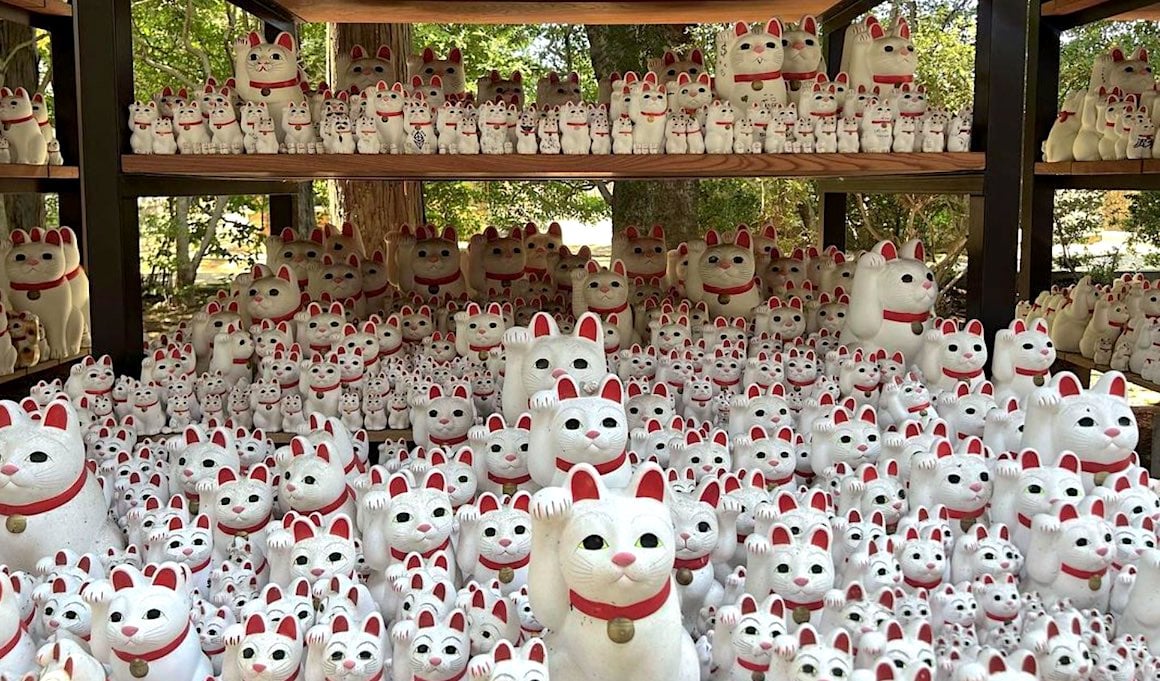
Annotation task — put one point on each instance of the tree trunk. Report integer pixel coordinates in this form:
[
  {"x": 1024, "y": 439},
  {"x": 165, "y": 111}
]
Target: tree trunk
[
  {"x": 179, "y": 212},
  {"x": 671, "y": 203},
  {"x": 21, "y": 211},
  {"x": 376, "y": 208}
]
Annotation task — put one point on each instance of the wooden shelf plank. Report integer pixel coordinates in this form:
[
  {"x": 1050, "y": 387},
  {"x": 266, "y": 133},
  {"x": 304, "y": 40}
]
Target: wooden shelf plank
[
  {"x": 21, "y": 171},
  {"x": 64, "y": 172},
  {"x": 1063, "y": 8},
  {"x": 54, "y": 8},
  {"x": 1074, "y": 359},
  {"x": 374, "y": 436},
  {"x": 533, "y": 12},
  {"x": 543, "y": 167},
  {"x": 42, "y": 367},
  {"x": 1097, "y": 167}
]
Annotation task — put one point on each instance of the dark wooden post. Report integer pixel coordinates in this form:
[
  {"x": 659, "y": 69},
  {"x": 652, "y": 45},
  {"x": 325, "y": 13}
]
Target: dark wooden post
[
  {"x": 64, "y": 88},
  {"x": 833, "y": 205},
  {"x": 102, "y": 32},
  {"x": 1035, "y": 262},
  {"x": 1008, "y": 138}
]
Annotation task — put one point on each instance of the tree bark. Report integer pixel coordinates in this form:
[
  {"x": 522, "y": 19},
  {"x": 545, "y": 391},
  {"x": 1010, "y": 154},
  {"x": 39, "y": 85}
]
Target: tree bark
[
  {"x": 671, "y": 203},
  {"x": 376, "y": 208},
  {"x": 21, "y": 211}
]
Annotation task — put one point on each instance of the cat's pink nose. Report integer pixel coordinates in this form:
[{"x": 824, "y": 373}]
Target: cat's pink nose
[
  {"x": 976, "y": 486},
  {"x": 510, "y": 457},
  {"x": 557, "y": 373},
  {"x": 444, "y": 422},
  {"x": 930, "y": 566},
  {"x": 724, "y": 265},
  {"x": 592, "y": 434},
  {"x": 435, "y": 661},
  {"x": 1112, "y": 432},
  {"x": 187, "y": 551},
  {"x": 317, "y": 572},
  {"x": 927, "y": 284},
  {"x": 968, "y": 355},
  {"x": 9, "y": 469},
  {"x": 348, "y": 664},
  {"x": 291, "y": 487},
  {"x": 767, "y": 645},
  {"x": 1102, "y": 551},
  {"x": 54, "y": 623},
  {"x": 800, "y": 581},
  {"x": 258, "y": 299},
  {"x": 798, "y": 45},
  {"x": 1005, "y": 564},
  {"x": 686, "y": 535},
  {"x": 505, "y": 542},
  {"x": 129, "y": 631},
  {"x": 425, "y": 527},
  {"x": 188, "y": 472},
  {"x": 259, "y": 667},
  {"x": 239, "y": 509},
  {"x": 1045, "y": 352},
  {"x": 759, "y": 49},
  {"x": 623, "y": 559}
]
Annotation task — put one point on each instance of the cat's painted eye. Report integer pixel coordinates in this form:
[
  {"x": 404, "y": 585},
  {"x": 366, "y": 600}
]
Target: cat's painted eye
[{"x": 594, "y": 542}]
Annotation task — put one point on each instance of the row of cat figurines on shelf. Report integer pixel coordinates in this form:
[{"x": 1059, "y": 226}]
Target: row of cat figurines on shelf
[
  {"x": 1114, "y": 118},
  {"x": 817, "y": 535},
  {"x": 764, "y": 64},
  {"x": 28, "y": 135},
  {"x": 645, "y": 120},
  {"x": 1112, "y": 324}
]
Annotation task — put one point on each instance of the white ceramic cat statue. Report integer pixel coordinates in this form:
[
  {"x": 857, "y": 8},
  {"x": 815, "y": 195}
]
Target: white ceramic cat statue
[
  {"x": 891, "y": 300},
  {"x": 601, "y": 581},
  {"x": 749, "y": 64},
  {"x": 721, "y": 274}
]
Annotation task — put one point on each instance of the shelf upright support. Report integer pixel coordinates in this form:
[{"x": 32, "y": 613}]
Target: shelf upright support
[
  {"x": 1035, "y": 262},
  {"x": 64, "y": 87},
  {"x": 833, "y": 205},
  {"x": 103, "y": 33},
  {"x": 1002, "y": 130}
]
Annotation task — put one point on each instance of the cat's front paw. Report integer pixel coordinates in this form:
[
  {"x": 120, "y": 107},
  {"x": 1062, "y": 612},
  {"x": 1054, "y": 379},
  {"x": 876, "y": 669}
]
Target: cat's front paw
[
  {"x": 834, "y": 598},
  {"x": 697, "y": 246},
  {"x": 544, "y": 402},
  {"x": 925, "y": 462},
  {"x": 785, "y": 646},
  {"x": 280, "y": 541},
  {"x": 551, "y": 503},
  {"x": 467, "y": 515},
  {"x": 99, "y": 592},
  {"x": 318, "y": 635},
  {"x": 872, "y": 261},
  {"x": 757, "y": 546},
  {"x": 1127, "y": 576},
  {"x": 729, "y": 615},
  {"x": 1008, "y": 469},
  {"x": 1046, "y": 398},
  {"x": 1045, "y": 523},
  {"x": 377, "y": 500},
  {"x": 736, "y": 580},
  {"x": 234, "y": 634},
  {"x": 403, "y": 632},
  {"x": 480, "y": 667},
  {"x": 729, "y": 507},
  {"x": 517, "y": 337},
  {"x": 207, "y": 486}
]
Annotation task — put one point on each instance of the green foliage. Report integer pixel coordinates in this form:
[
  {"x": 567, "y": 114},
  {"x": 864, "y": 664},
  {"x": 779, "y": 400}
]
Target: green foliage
[
  {"x": 1079, "y": 46},
  {"x": 236, "y": 240},
  {"x": 787, "y": 204},
  {"x": 1144, "y": 221},
  {"x": 1077, "y": 222},
  {"x": 473, "y": 206}
]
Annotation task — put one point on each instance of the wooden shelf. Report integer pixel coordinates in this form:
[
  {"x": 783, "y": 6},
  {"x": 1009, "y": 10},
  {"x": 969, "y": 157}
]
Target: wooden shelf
[
  {"x": 1074, "y": 360},
  {"x": 64, "y": 172},
  {"x": 1064, "y": 8},
  {"x": 543, "y": 167},
  {"x": 532, "y": 12},
  {"x": 375, "y": 436},
  {"x": 52, "y": 8},
  {"x": 1125, "y": 175},
  {"x": 1097, "y": 167},
  {"x": 17, "y": 178},
  {"x": 42, "y": 367}
]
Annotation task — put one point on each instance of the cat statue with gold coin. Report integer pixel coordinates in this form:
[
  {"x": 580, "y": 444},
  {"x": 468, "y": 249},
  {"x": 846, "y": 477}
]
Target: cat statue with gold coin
[
  {"x": 891, "y": 300},
  {"x": 495, "y": 540},
  {"x": 1069, "y": 555},
  {"x": 49, "y": 500},
  {"x": 601, "y": 580}
]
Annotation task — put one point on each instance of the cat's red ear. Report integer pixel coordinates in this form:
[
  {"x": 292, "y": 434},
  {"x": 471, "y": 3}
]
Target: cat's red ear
[
  {"x": 650, "y": 483},
  {"x": 458, "y": 620},
  {"x": 286, "y": 42},
  {"x": 584, "y": 483},
  {"x": 288, "y": 627},
  {"x": 588, "y": 327},
  {"x": 537, "y": 652},
  {"x": 502, "y": 652},
  {"x": 426, "y": 618},
  {"x": 254, "y": 39},
  {"x": 166, "y": 577},
  {"x": 122, "y": 578}
]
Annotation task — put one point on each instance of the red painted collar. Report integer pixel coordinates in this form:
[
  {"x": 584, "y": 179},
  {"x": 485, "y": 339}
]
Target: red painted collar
[
  {"x": 14, "y": 121},
  {"x": 49, "y": 504},
  {"x": 402, "y": 555},
  {"x": 73, "y": 274},
  {"x": 1082, "y": 574},
  {"x": 235, "y": 531},
  {"x": 633, "y": 611},
  {"x": 1031, "y": 372},
  {"x": 752, "y": 666},
  {"x": 605, "y": 468},
  {"x": 7, "y": 647},
  {"x": 327, "y": 388},
  {"x": 106, "y": 391},
  {"x": 355, "y": 464},
  {"x": 496, "y": 565},
  {"x": 40, "y": 286},
  {"x": 451, "y": 441},
  {"x": 726, "y": 384},
  {"x": 481, "y": 348},
  {"x": 929, "y": 586},
  {"x": 893, "y": 80},
  {"x": 918, "y": 407},
  {"x": 219, "y": 126},
  {"x": 378, "y": 291},
  {"x": 801, "y": 384},
  {"x": 241, "y": 360},
  {"x": 284, "y": 318},
  {"x": 526, "y": 477},
  {"x": 1114, "y": 467},
  {"x": 501, "y": 276},
  {"x": 894, "y": 316},
  {"x": 962, "y": 375},
  {"x": 730, "y": 290},
  {"x": 1024, "y": 520},
  {"x": 866, "y": 388},
  {"x": 264, "y": 85},
  {"x": 388, "y": 114},
  {"x": 810, "y": 605},
  {"x": 959, "y": 514},
  {"x": 753, "y": 77},
  {"x": 439, "y": 281},
  {"x": 334, "y": 505},
  {"x": 692, "y": 563},
  {"x": 608, "y": 310},
  {"x": 800, "y": 75},
  {"x": 1000, "y": 618},
  {"x": 153, "y": 655}
]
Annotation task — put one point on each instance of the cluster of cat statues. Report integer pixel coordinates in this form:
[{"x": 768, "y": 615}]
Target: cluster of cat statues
[
  {"x": 28, "y": 135},
  {"x": 44, "y": 298},
  {"x": 1112, "y": 325},
  {"x": 768, "y": 467},
  {"x": 1115, "y": 118},
  {"x": 771, "y": 95}
]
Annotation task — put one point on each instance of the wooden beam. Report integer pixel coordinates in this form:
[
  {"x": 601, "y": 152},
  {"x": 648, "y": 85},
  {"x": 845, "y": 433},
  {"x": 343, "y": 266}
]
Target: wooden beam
[{"x": 546, "y": 167}]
